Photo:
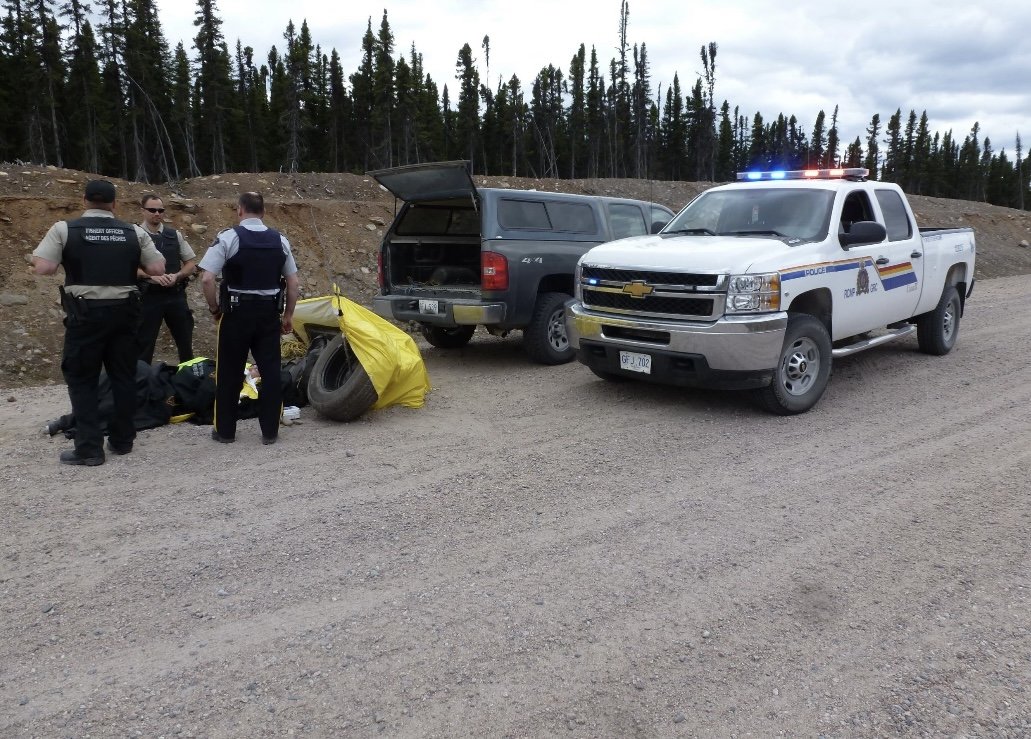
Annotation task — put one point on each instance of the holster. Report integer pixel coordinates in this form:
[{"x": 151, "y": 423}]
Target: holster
[
  {"x": 281, "y": 300},
  {"x": 76, "y": 309},
  {"x": 225, "y": 303}
]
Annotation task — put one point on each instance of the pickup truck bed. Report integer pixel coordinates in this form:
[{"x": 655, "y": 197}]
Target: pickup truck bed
[{"x": 457, "y": 256}]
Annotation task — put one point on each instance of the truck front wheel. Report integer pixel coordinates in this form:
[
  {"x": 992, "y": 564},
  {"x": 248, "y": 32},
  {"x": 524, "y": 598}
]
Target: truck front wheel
[
  {"x": 937, "y": 331},
  {"x": 447, "y": 338},
  {"x": 803, "y": 370},
  {"x": 545, "y": 339}
]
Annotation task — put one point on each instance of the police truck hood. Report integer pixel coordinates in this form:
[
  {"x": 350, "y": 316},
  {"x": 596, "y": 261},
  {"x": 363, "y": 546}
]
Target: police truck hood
[{"x": 679, "y": 252}]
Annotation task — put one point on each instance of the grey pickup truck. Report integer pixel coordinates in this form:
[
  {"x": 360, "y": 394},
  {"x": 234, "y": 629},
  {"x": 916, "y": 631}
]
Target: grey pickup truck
[{"x": 457, "y": 256}]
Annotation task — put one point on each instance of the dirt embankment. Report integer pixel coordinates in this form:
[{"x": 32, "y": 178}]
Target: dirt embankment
[{"x": 335, "y": 222}]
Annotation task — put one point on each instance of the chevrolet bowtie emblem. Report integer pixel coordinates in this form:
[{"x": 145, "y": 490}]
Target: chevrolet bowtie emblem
[{"x": 638, "y": 289}]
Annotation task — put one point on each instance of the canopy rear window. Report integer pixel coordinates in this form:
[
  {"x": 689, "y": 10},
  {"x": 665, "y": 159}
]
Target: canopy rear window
[{"x": 438, "y": 220}]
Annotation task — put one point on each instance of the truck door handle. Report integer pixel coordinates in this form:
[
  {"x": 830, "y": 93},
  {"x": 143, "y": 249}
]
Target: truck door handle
[
  {"x": 882, "y": 260},
  {"x": 916, "y": 255}
]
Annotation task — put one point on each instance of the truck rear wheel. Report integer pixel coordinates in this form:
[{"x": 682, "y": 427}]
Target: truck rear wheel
[
  {"x": 339, "y": 387},
  {"x": 937, "y": 331},
  {"x": 443, "y": 337},
  {"x": 544, "y": 339},
  {"x": 803, "y": 369}
]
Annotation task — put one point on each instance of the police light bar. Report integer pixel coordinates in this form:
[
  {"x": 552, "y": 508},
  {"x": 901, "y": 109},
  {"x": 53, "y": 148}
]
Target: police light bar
[{"x": 852, "y": 173}]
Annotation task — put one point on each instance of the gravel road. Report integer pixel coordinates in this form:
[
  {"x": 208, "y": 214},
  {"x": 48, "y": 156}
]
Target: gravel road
[{"x": 539, "y": 553}]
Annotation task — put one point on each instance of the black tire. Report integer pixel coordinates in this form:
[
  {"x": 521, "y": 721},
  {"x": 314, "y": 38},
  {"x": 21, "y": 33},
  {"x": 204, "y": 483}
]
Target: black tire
[
  {"x": 315, "y": 349},
  {"x": 937, "y": 331},
  {"x": 803, "y": 369},
  {"x": 544, "y": 339},
  {"x": 443, "y": 337},
  {"x": 339, "y": 387}
]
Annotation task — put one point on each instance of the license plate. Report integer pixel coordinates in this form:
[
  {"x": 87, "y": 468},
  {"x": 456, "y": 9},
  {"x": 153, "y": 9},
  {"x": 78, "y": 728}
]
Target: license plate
[
  {"x": 634, "y": 362},
  {"x": 428, "y": 307}
]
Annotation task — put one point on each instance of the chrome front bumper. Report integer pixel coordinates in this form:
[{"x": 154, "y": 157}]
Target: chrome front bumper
[{"x": 732, "y": 343}]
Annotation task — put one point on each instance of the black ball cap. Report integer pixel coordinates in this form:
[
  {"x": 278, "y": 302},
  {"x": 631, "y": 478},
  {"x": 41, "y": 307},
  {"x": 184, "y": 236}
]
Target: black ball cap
[{"x": 100, "y": 191}]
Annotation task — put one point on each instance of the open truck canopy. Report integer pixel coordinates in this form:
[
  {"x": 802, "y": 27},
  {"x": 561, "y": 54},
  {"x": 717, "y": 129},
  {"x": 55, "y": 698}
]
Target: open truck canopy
[{"x": 431, "y": 181}]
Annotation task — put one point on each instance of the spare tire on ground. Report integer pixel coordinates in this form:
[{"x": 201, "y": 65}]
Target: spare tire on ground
[{"x": 339, "y": 387}]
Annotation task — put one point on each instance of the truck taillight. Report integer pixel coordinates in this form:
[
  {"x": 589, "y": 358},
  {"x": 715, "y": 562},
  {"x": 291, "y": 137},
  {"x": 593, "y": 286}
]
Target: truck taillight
[
  {"x": 493, "y": 271},
  {"x": 379, "y": 268}
]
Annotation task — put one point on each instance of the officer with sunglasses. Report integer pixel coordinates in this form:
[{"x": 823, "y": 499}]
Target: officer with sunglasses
[{"x": 164, "y": 296}]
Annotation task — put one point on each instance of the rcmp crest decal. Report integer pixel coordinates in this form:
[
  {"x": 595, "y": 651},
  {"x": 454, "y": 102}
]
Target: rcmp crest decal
[{"x": 862, "y": 280}]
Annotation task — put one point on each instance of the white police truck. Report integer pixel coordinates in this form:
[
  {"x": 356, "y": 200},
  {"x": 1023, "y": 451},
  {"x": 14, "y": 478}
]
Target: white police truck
[{"x": 759, "y": 284}]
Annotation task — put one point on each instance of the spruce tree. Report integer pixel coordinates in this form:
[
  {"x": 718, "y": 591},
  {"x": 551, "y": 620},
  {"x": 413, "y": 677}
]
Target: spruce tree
[
  {"x": 362, "y": 96},
  {"x": 383, "y": 96},
  {"x": 84, "y": 88},
  {"x": 872, "y": 160},
  {"x": 214, "y": 89},
  {"x": 818, "y": 142},
  {"x": 182, "y": 120},
  {"x": 831, "y": 157},
  {"x": 576, "y": 89},
  {"x": 467, "y": 114}
]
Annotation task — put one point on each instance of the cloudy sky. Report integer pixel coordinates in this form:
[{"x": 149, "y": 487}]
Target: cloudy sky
[{"x": 961, "y": 62}]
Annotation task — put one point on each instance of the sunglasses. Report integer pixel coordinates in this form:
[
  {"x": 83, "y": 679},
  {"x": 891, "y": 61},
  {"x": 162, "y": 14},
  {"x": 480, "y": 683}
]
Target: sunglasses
[{"x": 154, "y": 210}]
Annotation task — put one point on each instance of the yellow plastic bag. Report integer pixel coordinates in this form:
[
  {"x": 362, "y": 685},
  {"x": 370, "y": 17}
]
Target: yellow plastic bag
[{"x": 389, "y": 355}]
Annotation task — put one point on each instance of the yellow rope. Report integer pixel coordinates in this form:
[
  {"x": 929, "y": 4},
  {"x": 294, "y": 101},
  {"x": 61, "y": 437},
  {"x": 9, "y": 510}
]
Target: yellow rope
[{"x": 293, "y": 348}]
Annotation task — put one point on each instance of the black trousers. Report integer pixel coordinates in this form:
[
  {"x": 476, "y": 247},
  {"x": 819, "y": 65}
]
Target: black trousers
[
  {"x": 104, "y": 337},
  {"x": 171, "y": 307},
  {"x": 250, "y": 327}
]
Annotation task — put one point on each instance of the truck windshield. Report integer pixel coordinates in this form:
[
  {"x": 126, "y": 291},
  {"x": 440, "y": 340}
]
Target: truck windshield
[{"x": 791, "y": 214}]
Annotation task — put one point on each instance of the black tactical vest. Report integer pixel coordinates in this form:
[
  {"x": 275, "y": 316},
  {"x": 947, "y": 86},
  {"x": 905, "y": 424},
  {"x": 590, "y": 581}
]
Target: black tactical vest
[
  {"x": 168, "y": 245},
  {"x": 167, "y": 242},
  {"x": 100, "y": 251},
  {"x": 258, "y": 264}
]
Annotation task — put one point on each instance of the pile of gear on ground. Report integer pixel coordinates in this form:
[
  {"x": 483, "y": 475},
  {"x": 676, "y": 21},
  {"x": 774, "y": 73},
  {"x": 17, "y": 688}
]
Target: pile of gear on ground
[{"x": 342, "y": 360}]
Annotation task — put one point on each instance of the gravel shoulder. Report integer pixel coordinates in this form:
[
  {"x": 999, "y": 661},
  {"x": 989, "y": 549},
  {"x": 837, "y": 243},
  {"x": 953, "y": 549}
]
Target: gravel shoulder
[{"x": 537, "y": 552}]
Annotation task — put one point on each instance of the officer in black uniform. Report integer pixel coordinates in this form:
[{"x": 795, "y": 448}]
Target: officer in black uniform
[
  {"x": 100, "y": 256},
  {"x": 164, "y": 296},
  {"x": 257, "y": 266}
]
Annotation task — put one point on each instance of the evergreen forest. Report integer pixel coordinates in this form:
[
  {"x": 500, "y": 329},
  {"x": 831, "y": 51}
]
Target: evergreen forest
[{"x": 94, "y": 85}]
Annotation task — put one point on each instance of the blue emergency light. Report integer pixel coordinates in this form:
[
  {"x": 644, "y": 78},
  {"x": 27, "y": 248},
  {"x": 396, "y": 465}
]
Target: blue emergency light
[{"x": 850, "y": 173}]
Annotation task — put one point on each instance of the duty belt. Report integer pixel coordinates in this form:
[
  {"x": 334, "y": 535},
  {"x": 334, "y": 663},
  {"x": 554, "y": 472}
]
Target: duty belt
[
  {"x": 105, "y": 302},
  {"x": 252, "y": 298}
]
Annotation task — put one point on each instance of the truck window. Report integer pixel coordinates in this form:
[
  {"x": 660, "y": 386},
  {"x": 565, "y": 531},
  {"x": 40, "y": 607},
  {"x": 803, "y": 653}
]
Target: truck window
[
  {"x": 896, "y": 220},
  {"x": 855, "y": 208},
  {"x": 660, "y": 216},
  {"x": 436, "y": 220},
  {"x": 626, "y": 220},
  {"x": 573, "y": 217},
  {"x": 523, "y": 214}
]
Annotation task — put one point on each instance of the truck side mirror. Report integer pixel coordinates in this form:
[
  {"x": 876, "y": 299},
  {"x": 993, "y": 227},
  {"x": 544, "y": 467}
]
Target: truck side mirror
[
  {"x": 658, "y": 226},
  {"x": 863, "y": 232}
]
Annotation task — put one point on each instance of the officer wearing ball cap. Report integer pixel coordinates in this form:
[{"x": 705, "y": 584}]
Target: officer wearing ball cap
[{"x": 100, "y": 255}]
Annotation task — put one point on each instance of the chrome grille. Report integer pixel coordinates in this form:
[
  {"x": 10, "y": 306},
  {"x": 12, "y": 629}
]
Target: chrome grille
[
  {"x": 653, "y": 278},
  {"x": 676, "y": 306},
  {"x": 654, "y": 293}
]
